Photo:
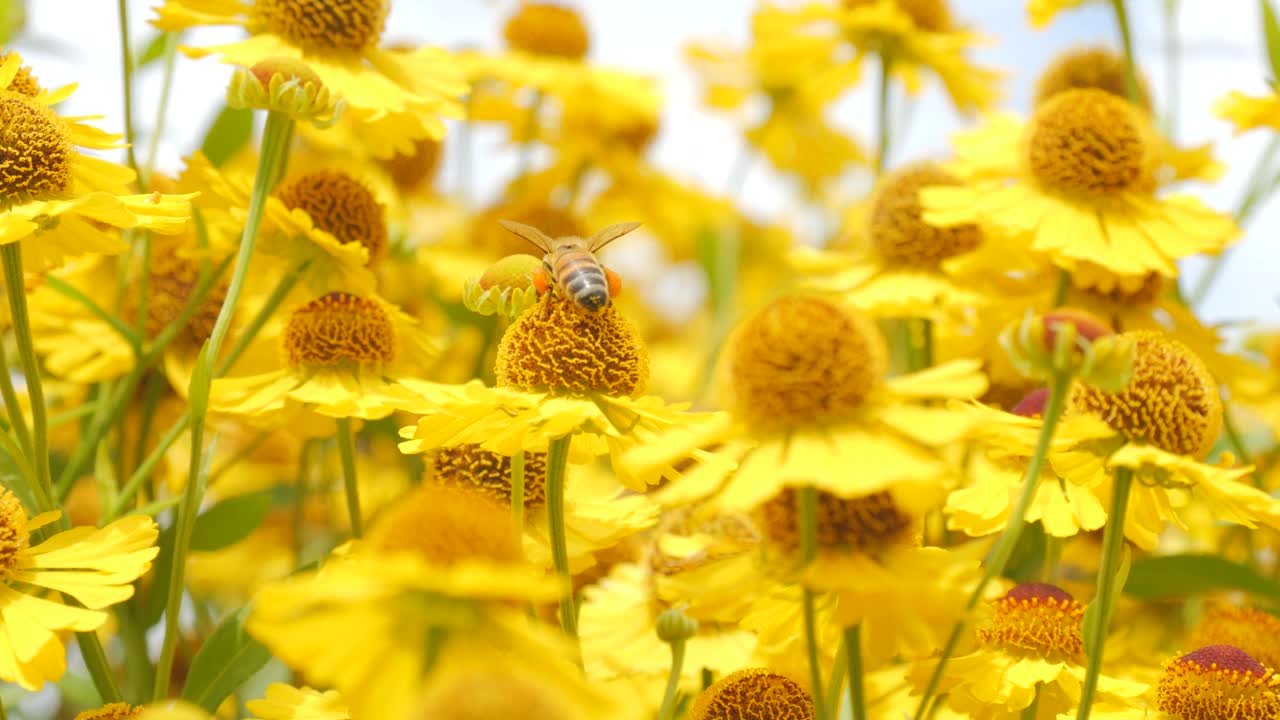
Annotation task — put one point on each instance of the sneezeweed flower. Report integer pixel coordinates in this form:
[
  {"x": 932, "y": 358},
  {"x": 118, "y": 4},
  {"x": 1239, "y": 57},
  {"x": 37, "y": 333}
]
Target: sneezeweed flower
[
  {"x": 1254, "y": 631},
  {"x": 285, "y": 702},
  {"x": 913, "y": 36},
  {"x": 1248, "y": 112},
  {"x": 57, "y": 201},
  {"x": 111, "y": 711},
  {"x": 399, "y": 95},
  {"x": 1218, "y": 681},
  {"x": 1030, "y": 650},
  {"x": 761, "y": 692},
  {"x": 809, "y": 400},
  {"x": 288, "y": 86},
  {"x": 1084, "y": 191},
  {"x": 1042, "y": 12},
  {"x": 341, "y": 355},
  {"x": 94, "y": 566}
]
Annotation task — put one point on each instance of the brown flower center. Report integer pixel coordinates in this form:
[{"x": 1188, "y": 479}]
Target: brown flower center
[
  {"x": 1090, "y": 67},
  {"x": 930, "y": 15},
  {"x": 447, "y": 525},
  {"x": 843, "y": 524},
  {"x": 898, "y": 231},
  {"x": 36, "y": 154},
  {"x": 1038, "y": 617},
  {"x": 337, "y": 329},
  {"x": 341, "y": 206},
  {"x": 1253, "y": 631},
  {"x": 1087, "y": 141},
  {"x": 489, "y": 474},
  {"x": 172, "y": 280},
  {"x": 1219, "y": 681},
  {"x": 547, "y": 29},
  {"x": 23, "y": 83},
  {"x": 409, "y": 172},
  {"x": 343, "y": 25},
  {"x": 13, "y": 532},
  {"x": 112, "y": 711}
]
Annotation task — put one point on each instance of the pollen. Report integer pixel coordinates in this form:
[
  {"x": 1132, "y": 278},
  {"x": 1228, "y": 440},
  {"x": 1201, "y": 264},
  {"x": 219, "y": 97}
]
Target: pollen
[
  {"x": 1038, "y": 617},
  {"x": 23, "y": 82},
  {"x": 930, "y": 15},
  {"x": 864, "y": 523},
  {"x": 341, "y": 206},
  {"x": 489, "y": 474},
  {"x": 1253, "y": 631},
  {"x": 547, "y": 29},
  {"x": 1088, "y": 67},
  {"x": 1088, "y": 141},
  {"x": 556, "y": 348},
  {"x": 1218, "y": 681},
  {"x": 1171, "y": 400},
  {"x": 111, "y": 711},
  {"x": 411, "y": 171},
  {"x": 898, "y": 231},
  {"x": 754, "y": 694},
  {"x": 347, "y": 25},
  {"x": 13, "y": 532},
  {"x": 488, "y": 236},
  {"x": 171, "y": 281},
  {"x": 339, "y": 329},
  {"x": 445, "y": 526},
  {"x": 36, "y": 155},
  {"x": 803, "y": 360}
]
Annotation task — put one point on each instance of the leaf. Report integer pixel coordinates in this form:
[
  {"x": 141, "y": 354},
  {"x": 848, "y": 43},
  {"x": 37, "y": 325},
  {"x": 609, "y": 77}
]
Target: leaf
[
  {"x": 230, "y": 521},
  {"x": 225, "y": 661},
  {"x": 152, "y": 51},
  {"x": 1271, "y": 37},
  {"x": 229, "y": 133},
  {"x": 1190, "y": 574}
]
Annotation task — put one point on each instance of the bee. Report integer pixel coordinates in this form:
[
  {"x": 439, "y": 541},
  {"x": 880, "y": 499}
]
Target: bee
[{"x": 569, "y": 263}]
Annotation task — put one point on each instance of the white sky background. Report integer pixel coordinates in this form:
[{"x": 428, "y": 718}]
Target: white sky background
[{"x": 78, "y": 41}]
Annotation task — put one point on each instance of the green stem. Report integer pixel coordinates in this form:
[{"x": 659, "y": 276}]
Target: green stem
[
  {"x": 1031, "y": 711},
  {"x": 557, "y": 467},
  {"x": 136, "y": 662},
  {"x": 857, "y": 694},
  {"x": 1003, "y": 550},
  {"x": 668, "y": 709},
  {"x": 517, "y": 493},
  {"x": 126, "y": 58},
  {"x": 1061, "y": 289},
  {"x": 882, "y": 115},
  {"x": 1112, "y": 550},
  {"x": 1052, "y": 559},
  {"x": 17, "y": 420},
  {"x": 162, "y": 107},
  {"x": 1173, "y": 70},
  {"x": 1126, "y": 41},
  {"x": 240, "y": 455},
  {"x": 347, "y": 451},
  {"x": 435, "y": 640},
  {"x": 920, "y": 339},
  {"x": 11, "y": 253},
  {"x": 95, "y": 659},
  {"x": 299, "y": 501},
  {"x": 71, "y": 292},
  {"x": 531, "y": 136},
  {"x": 807, "y": 511},
  {"x": 835, "y": 685},
  {"x": 1238, "y": 447}
]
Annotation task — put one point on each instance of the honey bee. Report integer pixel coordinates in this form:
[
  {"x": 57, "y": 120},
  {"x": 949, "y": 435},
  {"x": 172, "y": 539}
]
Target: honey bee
[{"x": 569, "y": 263}]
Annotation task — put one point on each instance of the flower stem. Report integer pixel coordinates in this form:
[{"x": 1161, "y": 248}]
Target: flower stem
[
  {"x": 15, "y": 285},
  {"x": 162, "y": 107},
  {"x": 1112, "y": 550},
  {"x": 347, "y": 451},
  {"x": 1062, "y": 288},
  {"x": 95, "y": 659},
  {"x": 1126, "y": 41},
  {"x": 668, "y": 709},
  {"x": 835, "y": 684},
  {"x": 1238, "y": 447},
  {"x": 882, "y": 115},
  {"x": 807, "y": 509},
  {"x": 1172, "y": 70},
  {"x": 557, "y": 465},
  {"x": 517, "y": 493},
  {"x": 853, "y": 655},
  {"x": 300, "y": 500},
  {"x": 17, "y": 420},
  {"x": 126, "y": 60},
  {"x": 1003, "y": 550}
]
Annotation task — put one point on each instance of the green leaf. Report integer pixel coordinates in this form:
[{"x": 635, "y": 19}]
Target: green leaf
[
  {"x": 229, "y": 133},
  {"x": 225, "y": 661},
  {"x": 1271, "y": 37},
  {"x": 152, "y": 51},
  {"x": 230, "y": 521},
  {"x": 1174, "y": 575}
]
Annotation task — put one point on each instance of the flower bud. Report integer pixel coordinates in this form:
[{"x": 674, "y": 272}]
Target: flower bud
[
  {"x": 675, "y": 626},
  {"x": 1072, "y": 342},
  {"x": 285, "y": 85},
  {"x": 505, "y": 288}
]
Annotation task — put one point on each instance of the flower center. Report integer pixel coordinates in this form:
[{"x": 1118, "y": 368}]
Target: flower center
[
  {"x": 1089, "y": 141},
  {"x": 1088, "y": 67},
  {"x": 1218, "y": 681},
  {"x": 36, "y": 154},
  {"x": 930, "y": 15},
  {"x": 342, "y": 207},
  {"x": 555, "y": 347},
  {"x": 349, "y": 25},
  {"x": 897, "y": 229},
  {"x": 1171, "y": 400},
  {"x": 754, "y": 694},
  {"x": 802, "y": 360},
  {"x": 410, "y": 171},
  {"x": 13, "y": 532},
  {"x": 1039, "y": 617},
  {"x": 843, "y": 524},
  {"x": 489, "y": 474},
  {"x": 172, "y": 280},
  {"x": 339, "y": 328},
  {"x": 547, "y": 29},
  {"x": 1253, "y": 631},
  {"x": 112, "y": 711},
  {"x": 447, "y": 525},
  {"x": 23, "y": 83}
]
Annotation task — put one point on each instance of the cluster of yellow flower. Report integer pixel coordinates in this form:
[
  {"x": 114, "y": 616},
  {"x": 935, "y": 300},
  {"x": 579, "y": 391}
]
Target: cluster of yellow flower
[{"x": 295, "y": 425}]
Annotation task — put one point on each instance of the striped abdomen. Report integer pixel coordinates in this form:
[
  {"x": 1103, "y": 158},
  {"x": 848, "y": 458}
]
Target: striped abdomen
[{"x": 581, "y": 278}]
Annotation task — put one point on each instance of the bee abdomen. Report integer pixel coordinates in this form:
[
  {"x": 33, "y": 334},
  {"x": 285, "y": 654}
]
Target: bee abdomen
[{"x": 584, "y": 282}]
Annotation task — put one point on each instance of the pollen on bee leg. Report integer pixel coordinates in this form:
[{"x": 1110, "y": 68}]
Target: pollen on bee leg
[{"x": 615, "y": 282}]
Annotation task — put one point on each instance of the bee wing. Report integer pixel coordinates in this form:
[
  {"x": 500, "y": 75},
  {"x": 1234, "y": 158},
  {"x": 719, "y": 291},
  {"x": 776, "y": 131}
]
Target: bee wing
[
  {"x": 609, "y": 234},
  {"x": 530, "y": 233}
]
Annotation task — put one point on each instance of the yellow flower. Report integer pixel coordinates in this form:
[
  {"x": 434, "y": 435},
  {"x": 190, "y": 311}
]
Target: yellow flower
[
  {"x": 913, "y": 36},
  {"x": 1254, "y": 631},
  {"x": 1042, "y": 12},
  {"x": 57, "y": 201},
  {"x": 94, "y": 566},
  {"x": 1083, "y": 191},
  {"x": 399, "y": 95},
  {"x": 285, "y": 702},
  {"x": 809, "y": 401},
  {"x": 1247, "y": 112},
  {"x": 342, "y": 356},
  {"x": 759, "y": 691},
  {"x": 1218, "y": 681}
]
